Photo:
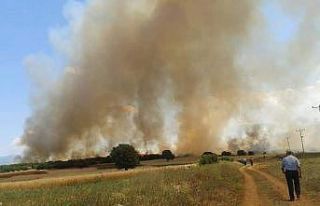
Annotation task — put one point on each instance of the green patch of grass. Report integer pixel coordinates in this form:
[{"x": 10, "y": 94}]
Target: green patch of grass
[{"x": 218, "y": 184}]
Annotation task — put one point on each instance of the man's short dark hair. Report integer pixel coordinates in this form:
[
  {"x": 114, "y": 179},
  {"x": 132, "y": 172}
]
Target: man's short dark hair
[{"x": 289, "y": 152}]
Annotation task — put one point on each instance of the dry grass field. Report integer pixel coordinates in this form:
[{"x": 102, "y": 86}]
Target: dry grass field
[
  {"x": 95, "y": 170},
  {"x": 172, "y": 185},
  {"x": 310, "y": 181},
  {"x": 21, "y": 173},
  {"x": 265, "y": 185},
  {"x": 177, "y": 161},
  {"x": 159, "y": 182}
]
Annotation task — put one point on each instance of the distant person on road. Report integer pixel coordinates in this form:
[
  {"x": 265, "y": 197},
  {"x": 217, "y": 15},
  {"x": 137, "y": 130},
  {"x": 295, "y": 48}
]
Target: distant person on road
[
  {"x": 251, "y": 161},
  {"x": 243, "y": 161},
  {"x": 292, "y": 171}
]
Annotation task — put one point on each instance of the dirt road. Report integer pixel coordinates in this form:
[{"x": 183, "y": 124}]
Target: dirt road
[
  {"x": 251, "y": 197},
  {"x": 263, "y": 189}
]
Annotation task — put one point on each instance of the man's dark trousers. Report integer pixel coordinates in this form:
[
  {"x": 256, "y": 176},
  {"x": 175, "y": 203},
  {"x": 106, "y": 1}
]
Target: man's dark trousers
[{"x": 293, "y": 183}]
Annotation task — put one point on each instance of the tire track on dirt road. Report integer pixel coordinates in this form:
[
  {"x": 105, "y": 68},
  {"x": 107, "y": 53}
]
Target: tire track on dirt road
[
  {"x": 251, "y": 197},
  {"x": 281, "y": 188}
]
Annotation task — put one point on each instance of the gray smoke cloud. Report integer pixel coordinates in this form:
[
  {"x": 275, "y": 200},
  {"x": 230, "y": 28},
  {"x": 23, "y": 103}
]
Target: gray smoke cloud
[
  {"x": 254, "y": 138},
  {"x": 282, "y": 70},
  {"x": 136, "y": 70}
]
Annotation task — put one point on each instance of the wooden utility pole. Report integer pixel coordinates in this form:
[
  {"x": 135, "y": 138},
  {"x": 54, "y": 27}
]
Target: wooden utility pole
[{"x": 301, "y": 137}]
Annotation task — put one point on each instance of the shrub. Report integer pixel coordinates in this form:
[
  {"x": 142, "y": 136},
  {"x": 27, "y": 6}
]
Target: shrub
[
  {"x": 241, "y": 153},
  {"x": 207, "y": 158},
  {"x": 226, "y": 158},
  {"x": 75, "y": 163},
  {"x": 125, "y": 156},
  {"x": 225, "y": 153},
  {"x": 251, "y": 153},
  {"x": 207, "y": 153},
  {"x": 14, "y": 167},
  {"x": 168, "y": 155},
  {"x": 144, "y": 157}
]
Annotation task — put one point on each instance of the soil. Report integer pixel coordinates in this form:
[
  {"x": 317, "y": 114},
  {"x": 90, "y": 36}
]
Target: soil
[{"x": 251, "y": 193}]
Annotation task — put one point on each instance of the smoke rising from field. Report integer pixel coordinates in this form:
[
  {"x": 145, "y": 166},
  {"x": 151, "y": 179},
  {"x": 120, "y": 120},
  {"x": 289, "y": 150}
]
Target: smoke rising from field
[
  {"x": 133, "y": 67},
  {"x": 254, "y": 138}
]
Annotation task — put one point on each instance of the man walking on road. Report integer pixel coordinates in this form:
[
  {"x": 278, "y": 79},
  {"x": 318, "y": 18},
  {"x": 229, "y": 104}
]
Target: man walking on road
[{"x": 291, "y": 168}]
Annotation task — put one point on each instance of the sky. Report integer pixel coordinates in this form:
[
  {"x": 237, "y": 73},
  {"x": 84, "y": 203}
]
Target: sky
[
  {"x": 281, "y": 26},
  {"x": 24, "y": 30},
  {"x": 24, "y": 27}
]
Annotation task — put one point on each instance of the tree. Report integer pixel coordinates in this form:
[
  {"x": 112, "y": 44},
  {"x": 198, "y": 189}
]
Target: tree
[
  {"x": 125, "y": 156},
  {"x": 226, "y": 153},
  {"x": 207, "y": 153},
  {"x": 241, "y": 153},
  {"x": 168, "y": 155},
  {"x": 251, "y": 153},
  {"x": 208, "y": 158}
]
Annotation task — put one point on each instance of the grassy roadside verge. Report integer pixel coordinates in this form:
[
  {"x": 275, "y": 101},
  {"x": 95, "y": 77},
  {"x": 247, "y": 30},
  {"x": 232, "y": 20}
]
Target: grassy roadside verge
[
  {"x": 218, "y": 184},
  {"x": 310, "y": 175},
  {"x": 267, "y": 194}
]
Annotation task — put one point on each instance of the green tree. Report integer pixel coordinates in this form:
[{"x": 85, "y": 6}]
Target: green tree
[
  {"x": 125, "y": 156},
  {"x": 208, "y": 158},
  {"x": 168, "y": 155}
]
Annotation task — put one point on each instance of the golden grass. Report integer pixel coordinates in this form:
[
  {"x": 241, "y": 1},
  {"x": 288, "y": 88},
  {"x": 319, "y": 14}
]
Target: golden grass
[
  {"x": 78, "y": 179},
  {"x": 310, "y": 175},
  {"x": 218, "y": 184},
  {"x": 177, "y": 161},
  {"x": 29, "y": 172}
]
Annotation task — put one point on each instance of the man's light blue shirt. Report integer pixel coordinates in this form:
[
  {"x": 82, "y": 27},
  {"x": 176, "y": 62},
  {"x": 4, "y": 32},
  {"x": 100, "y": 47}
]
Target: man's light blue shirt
[{"x": 290, "y": 163}]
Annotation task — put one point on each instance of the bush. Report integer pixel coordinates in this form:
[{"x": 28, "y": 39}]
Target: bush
[
  {"x": 226, "y": 158},
  {"x": 207, "y": 153},
  {"x": 125, "y": 156},
  {"x": 208, "y": 158},
  {"x": 14, "y": 167},
  {"x": 241, "y": 153},
  {"x": 251, "y": 153},
  {"x": 144, "y": 157},
  {"x": 75, "y": 163},
  {"x": 225, "y": 153},
  {"x": 168, "y": 155}
]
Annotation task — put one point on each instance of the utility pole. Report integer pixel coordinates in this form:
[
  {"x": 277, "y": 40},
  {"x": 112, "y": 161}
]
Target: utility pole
[
  {"x": 301, "y": 137},
  {"x": 264, "y": 148},
  {"x": 288, "y": 143},
  {"x": 316, "y": 107}
]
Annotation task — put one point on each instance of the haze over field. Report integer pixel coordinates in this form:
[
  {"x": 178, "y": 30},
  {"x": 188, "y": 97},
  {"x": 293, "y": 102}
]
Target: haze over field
[{"x": 181, "y": 74}]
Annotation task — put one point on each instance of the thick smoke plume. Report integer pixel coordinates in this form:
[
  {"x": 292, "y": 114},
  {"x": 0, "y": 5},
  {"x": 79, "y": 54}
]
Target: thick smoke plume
[
  {"x": 254, "y": 138},
  {"x": 156, "y": 74},
  {"x": 125, "y": 60}
]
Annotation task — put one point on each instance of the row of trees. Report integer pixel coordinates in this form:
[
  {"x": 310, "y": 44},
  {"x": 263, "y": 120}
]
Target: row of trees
[
  {"x": 239, "y": 153},
  {"x": 125, "y": 156},
  {"x": 73, "y": 163}
]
